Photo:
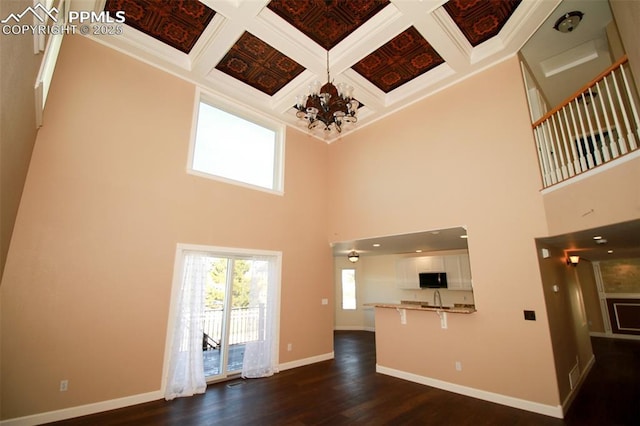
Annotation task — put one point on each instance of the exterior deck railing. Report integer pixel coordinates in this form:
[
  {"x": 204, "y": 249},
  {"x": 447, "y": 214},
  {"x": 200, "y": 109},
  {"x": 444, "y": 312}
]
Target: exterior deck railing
[
  {"x": 244, "y": 324},
  {"x": 595, "y": 126}
]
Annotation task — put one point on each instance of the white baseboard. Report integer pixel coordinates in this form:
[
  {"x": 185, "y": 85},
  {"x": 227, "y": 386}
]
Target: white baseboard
[
  {"x": 572, "y": 395},
  {"x": 83, "y": 410},
  {"x": 98, "y": 407},
  {"x": 306, "y": 361},
  {"x": 536, "y": 407}
]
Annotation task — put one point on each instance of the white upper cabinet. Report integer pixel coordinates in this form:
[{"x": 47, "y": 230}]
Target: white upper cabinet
[
  {"x": 429, "y": 264},
  {"x": 456, "y": 266},
  {"x": 465, "y": 269},
  {"x": 407, "y": 274},
  {"x": 458, "y": 272}
]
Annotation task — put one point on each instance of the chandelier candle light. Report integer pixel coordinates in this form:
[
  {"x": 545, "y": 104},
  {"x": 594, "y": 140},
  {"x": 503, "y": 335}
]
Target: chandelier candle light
[{"x": 327, "y": 107}]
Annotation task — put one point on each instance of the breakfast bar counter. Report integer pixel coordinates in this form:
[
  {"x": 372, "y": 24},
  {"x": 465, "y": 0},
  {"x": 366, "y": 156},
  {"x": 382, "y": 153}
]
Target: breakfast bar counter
[{"x": 422, "y": 306}]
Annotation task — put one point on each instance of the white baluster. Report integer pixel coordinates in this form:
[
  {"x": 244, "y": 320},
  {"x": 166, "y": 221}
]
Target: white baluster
[
  {"x": 544, "y": 167},
  {"x": 558, "y": 148},
  {"x": 585, "y": 136},
  {"x": 547, "y": 154},
  {"x": 574, "y": 166},
  {"x": 634, "y": 108},
  {"x": 622, "y": 144},
  {"x": 592, "y": 134},
  {"x": 603, "y": 143},
  {"x": 612, "y": 144},
  {"x": 630, "y": 136},
  {"x": 583, "y": 158},
  {"x": 553, "y": 158}
]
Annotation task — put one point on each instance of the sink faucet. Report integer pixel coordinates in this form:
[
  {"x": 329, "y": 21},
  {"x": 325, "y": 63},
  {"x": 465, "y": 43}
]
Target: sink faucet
[{"x": 436, "y": 295}]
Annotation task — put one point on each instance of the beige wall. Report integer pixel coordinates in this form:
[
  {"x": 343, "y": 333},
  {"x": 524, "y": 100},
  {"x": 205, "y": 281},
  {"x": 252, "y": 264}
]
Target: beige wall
[
  {"x": 18, "y": 70},
  {"x": 608, "y": 197},
  {"x": 627, "y": 15},
  {"x": 86, "y": 289},
  {"x": 464, "y": 156}
]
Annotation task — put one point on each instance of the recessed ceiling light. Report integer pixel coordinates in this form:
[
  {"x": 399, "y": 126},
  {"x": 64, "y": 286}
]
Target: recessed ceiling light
[
  {"x": 609, "y": 251},
  {"x": 597, "y": 237},
  {"x": 463, "y": 236},
  {"x": 376, "y": 245},
  {"x": 418, "y": 251}
]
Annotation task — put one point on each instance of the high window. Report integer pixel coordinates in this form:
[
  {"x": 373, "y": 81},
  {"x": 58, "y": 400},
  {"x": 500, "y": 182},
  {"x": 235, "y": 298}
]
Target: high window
[{"x": 237, "y": 147}]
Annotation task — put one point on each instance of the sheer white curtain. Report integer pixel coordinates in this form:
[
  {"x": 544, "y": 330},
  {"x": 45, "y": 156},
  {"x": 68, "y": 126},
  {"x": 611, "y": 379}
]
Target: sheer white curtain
[
  {"x": 186, "y": 371},
  {"x": 260, "y": 356}
]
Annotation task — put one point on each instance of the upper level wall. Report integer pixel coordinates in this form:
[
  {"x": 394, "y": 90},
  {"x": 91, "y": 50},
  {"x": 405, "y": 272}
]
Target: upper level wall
[
  {"x": 464, "y": 156},
  {"x": 627, "y": 15},
  {"x": 603, "y": 197}
]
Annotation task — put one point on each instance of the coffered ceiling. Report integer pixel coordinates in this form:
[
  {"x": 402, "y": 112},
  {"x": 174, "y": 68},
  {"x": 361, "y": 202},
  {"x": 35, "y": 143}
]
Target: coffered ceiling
[{"x": 261, "y": 54}]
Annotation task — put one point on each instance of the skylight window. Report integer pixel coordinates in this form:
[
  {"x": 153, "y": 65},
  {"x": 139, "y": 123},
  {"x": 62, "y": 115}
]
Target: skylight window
[{"x": 237, "y": 149}]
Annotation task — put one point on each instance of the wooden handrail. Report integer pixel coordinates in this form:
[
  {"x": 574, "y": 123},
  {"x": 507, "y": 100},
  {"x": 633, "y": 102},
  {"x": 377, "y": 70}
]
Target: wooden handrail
[{"x": 579, "y": 92}]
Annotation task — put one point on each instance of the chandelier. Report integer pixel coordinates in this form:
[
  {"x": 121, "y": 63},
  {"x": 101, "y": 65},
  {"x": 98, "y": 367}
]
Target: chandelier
[{"x": 327, "y": 107}]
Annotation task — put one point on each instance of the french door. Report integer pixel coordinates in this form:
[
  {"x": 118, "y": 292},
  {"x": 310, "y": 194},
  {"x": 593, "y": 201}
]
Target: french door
[
  {"x": 230, "y": 320},
  {"x": 224, "y": 311}
]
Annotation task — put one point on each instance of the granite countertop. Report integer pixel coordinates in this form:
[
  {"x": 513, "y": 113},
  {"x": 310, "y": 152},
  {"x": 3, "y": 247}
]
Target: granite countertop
[{"x": 424, "y": 306}]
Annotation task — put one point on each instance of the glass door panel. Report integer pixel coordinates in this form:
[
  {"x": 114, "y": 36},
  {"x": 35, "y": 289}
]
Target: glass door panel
[
  {"x": 214, "y": 317},
  {"x": 235, "y": 308}
]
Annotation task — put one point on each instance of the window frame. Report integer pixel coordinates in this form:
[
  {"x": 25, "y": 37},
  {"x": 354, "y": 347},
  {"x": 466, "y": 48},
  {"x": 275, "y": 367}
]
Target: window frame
[{"x": 279, "y": 143}]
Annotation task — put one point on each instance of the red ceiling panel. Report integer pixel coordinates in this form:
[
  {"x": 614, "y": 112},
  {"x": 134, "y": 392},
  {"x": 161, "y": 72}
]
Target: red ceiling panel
[
  {"x": 259, "y": 65},
  {"x": 402, "y": 59},
  {"x": 327, "y": 22},
  {"x": 479, "y": 20},
  {"x": 180, "y": 23},
  {"x": 177, "y": 23}
]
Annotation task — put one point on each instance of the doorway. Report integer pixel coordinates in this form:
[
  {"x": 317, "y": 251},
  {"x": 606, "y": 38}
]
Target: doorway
[
  {"x": 230, "y": 320},
  {"x": 224, "y": 312}
]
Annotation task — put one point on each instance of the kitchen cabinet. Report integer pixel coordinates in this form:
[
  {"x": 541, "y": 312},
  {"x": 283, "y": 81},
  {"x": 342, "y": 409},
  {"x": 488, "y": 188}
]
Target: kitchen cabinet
[
  {"x": 458, "y": 272},
  {"x": 407, "y": 274},
  {"x": 430, "y": 264},
  {"x": 408, "y": 268},
  {"x": 456, "y": 266}
]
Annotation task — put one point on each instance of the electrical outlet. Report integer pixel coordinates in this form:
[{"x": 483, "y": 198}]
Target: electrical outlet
[
  {"x": 458, "y": 366},
  {"x": 64, "y": 385},
  {"x": 289, "y": 347}
]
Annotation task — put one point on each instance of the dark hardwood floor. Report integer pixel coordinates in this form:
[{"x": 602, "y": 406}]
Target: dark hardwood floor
[{"x": 347, "y": 390}]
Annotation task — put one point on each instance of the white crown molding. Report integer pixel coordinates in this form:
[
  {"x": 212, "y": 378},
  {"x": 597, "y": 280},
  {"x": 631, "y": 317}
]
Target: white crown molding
[{"x": 233, "y": 17}]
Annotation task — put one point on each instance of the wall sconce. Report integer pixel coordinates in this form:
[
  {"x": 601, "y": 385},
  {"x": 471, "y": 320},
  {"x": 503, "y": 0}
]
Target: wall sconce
[
  {"x": 573, "y": 260},
  {"x": 353, "y": 256}
]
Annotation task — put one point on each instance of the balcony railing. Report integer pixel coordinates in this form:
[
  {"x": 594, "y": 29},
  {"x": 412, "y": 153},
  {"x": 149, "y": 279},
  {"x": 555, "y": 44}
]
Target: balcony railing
[
  {"x": 595, "y": 126},
  {"x": 244, "y": 324}
]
